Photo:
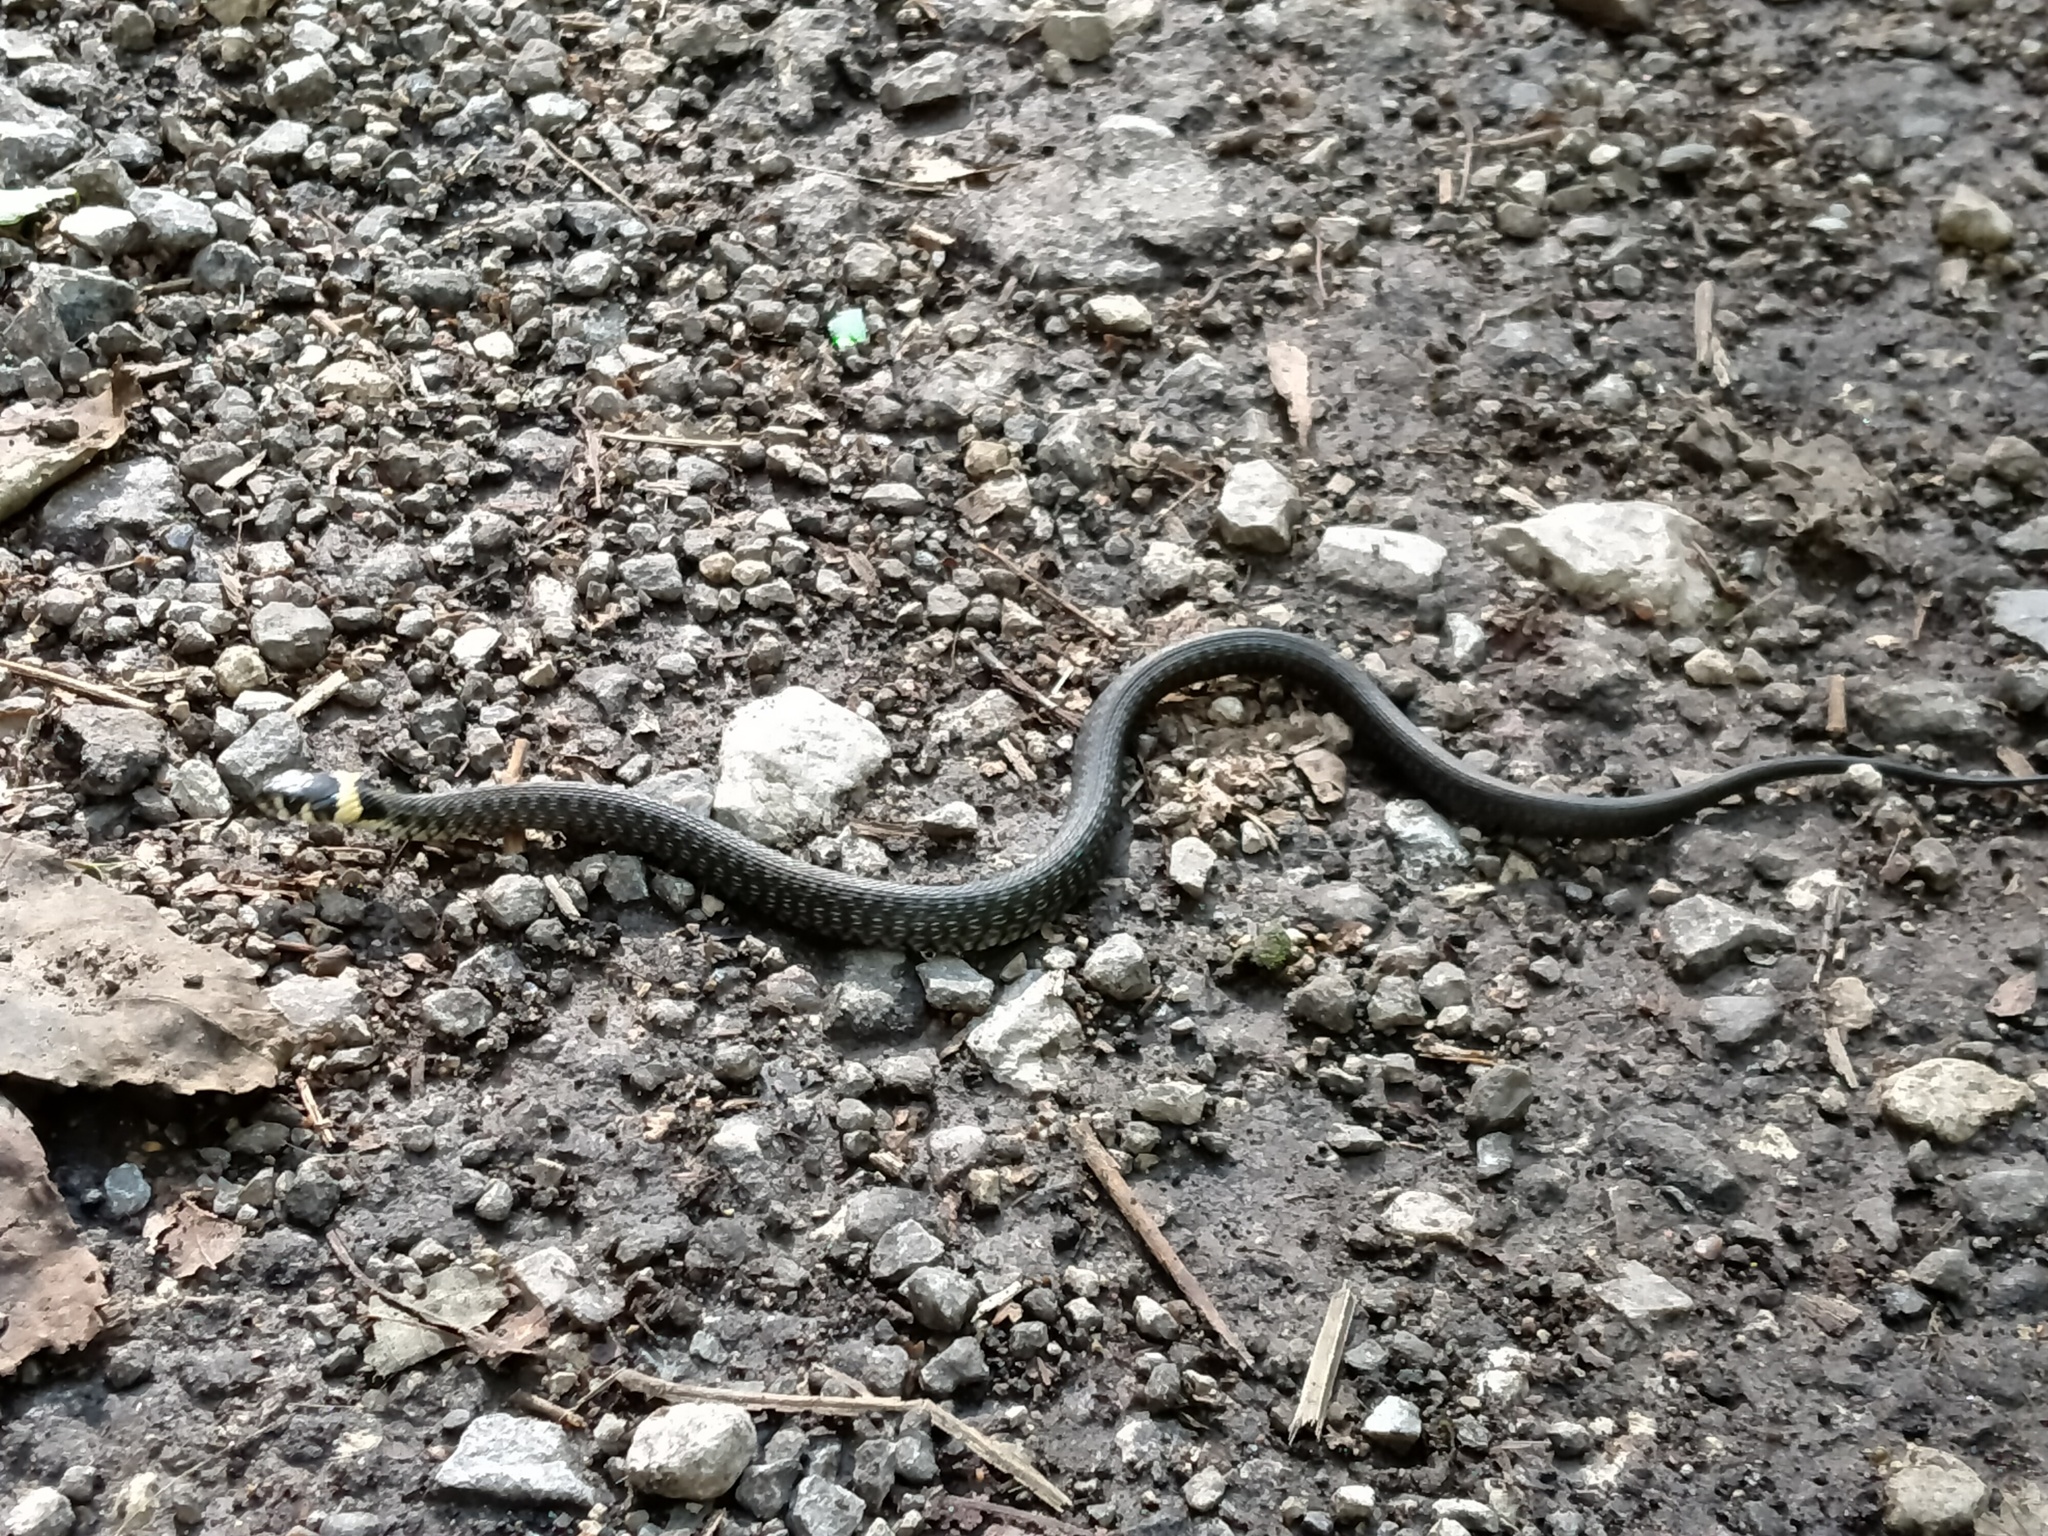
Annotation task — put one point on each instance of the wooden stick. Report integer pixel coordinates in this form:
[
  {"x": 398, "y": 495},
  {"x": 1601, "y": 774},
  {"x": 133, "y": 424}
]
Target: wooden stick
[
  {"x": 318, "y": 694},
  {"x": 1010, "y": 679},
  {"x": 1032, "y": 581},
  {"x": 1103, "y": 1166},
  {"x": 1838, "y": 705},
  {"x": 1005, "y": 1458},
  {"x": 1321, "y": 1380},
  {"x": 596, "y": 181},
  {"x": 541, "y": 1408},
  {"x": 656, "y": 440},
  {"x": 98, "y": 692},
  {"x": 315, "y": 1116},
  {"x": 1029, "y": 1517}
]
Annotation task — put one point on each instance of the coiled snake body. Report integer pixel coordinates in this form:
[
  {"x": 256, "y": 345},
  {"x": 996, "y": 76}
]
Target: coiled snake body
[{"x": 938, "y": 919}]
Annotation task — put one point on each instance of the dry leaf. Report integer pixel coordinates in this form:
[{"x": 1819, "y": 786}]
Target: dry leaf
[
  {"x": 1287, "y": 365},
  {"x": 514, "y": 1335},
  {"x": 2014, "y": 998},
  {"x": 31, "y": 464},
  {"x": 191, "y": 1238},
  {"x": 51, "y": 1287},
  {"x": 1326, "y": 774}
]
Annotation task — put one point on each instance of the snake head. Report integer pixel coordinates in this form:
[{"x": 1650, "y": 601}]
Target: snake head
[{"x": 312, "y": 797}]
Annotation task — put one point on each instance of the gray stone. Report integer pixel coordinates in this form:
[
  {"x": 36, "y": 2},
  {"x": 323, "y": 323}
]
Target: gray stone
[
  {"x": 764, "y": 1488},
  {"x": 941, "y": 1300},
  {"x": 1257, "y": 508},
  {"x": 1424, "y": 840},
  {"x": 314, "y": 1197},
  {"x": 1090, "y": 217},
  {"x": 926, "y": 82},
  {"x": 1076, "y": 446},
  {"x": 137, "y": 499},
  {"x": 1643, "y": 1296},
  {"x": 1326, "y": 1001},
  {"x": 1687, "y": 159},
  {"x": 273, "y": 745},
  {"x": 1946, "y": 1272},
  {"x": 291, "y": 638},
  {"x": 116, "y": 750},
  {"x": 951, "y": 985},
  {"x": 317, "y": 1006},
  {"x": 1381, "y": 561},
  {"x": 514, "y": 902},
  {"x": 656, "y": 576},
  {"x": 171, "y": 221},
  {"x": 224, "y": 267},
  {"x": 952, "y": 1150},
  {"x": 1923, "y": 709},
  {"x": 102, "y": 232},
  {"x": 196, "y": 789},
  {"x": 693, "y": 1451},
  {"x": 2023, "y": 614},
  {"x": 959, "y": 1367},
  {"x": 1969, "y": 219},
  {"x": 789, "y": 763},
  {"x": 1929, "y": 1492},
  {"x": 1396, "y": 1004},
  {"x": 2005, "y": 1202},
  {"x": 36, "y": 140},
  {"x": 1704, "y": 933},
  {"x": 1189, "y": 862},
  {"x": 1736, "y": 1019},
  {"x": 820, "y": 1507},
  {"x": 302, "y": 85},
  {"x": 124, "y": 1192},
  {"x": 903, "y": 1248},
  {"x": 1678, "y": 1156},
  {"x": 1500, "y": 1099},
  {"x": 1083, "y": 36},
  {"x": 1170, "y": 1102},
  {"x": 1118, "y": 969},
  {"x": 449, "y": 289},
  {"x": 457, "y": 1013},
  {"x": 278, "y": 143},
  {"x": 518, "y": 1461}
]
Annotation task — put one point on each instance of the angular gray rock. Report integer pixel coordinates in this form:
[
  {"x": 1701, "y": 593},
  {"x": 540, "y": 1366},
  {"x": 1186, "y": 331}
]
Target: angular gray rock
[
  {"x": 1704, "y": 933},
  {"x": 136, "y": 498},
  {"x": 1679, "y": 1156},
  {"x": 789, "y": 764},
  {"x": 2005, "y": 1202},
  {"x": 116, "y": 750},
  {"x": 820, "y": 1507},
  {"x": 1382, "y": 561},
  {"x": 269, "y": 747},
  {"x": 693, "y": 1451},
  {"x": 518, "y": 1461}
]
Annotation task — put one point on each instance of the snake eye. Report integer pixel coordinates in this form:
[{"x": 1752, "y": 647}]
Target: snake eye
[{"x": 301, "y": 796}]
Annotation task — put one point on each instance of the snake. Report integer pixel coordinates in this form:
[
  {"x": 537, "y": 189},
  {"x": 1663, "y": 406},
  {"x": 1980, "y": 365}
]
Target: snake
[{"x": 1004, "y": 907}]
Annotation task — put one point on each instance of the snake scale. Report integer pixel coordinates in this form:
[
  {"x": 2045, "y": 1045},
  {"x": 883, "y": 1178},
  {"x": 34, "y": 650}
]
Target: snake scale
[{"x": 1005, "y": 906}]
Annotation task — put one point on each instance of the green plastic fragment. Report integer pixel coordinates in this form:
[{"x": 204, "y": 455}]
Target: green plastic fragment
[{"x": 848, "y": 328}]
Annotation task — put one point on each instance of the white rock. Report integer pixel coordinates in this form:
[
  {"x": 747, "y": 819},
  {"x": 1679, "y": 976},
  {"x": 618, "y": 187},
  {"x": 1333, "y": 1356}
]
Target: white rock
[
  {"x": 1021, "y": 1033},
  {"x": 1352, "y": 1504},
  {"x": 953, "y": 986},
  {"x": 789, "y": 763},
  {"x": 1117, "y": 314},
  {"x": 1642, "y": 1295},
  {"x": 40, "y": 1512},
  {"x": 951, "y": 1150},
  {"x": 1423, "y": 839},
  {"x": 520, "y": 1461},
  {"x": 1188, "y": 863},
  {"x": 1933, "y": 1493},
  {"x": 1385, "y": 561},
  {"x": 548, "y": 1275},
  {"x": 1118, "y": 969},
  {"x": 693, "y": 1451},
  {"x": 1418, "y": 1214},
  {"x": 1171, "y": 1103},
  {"x": 1611, "y": 551},
  {"x": 1083, "y": 36},
  {"x": 1257, "y": 508},
  {"x": 1970, "y": 219},
  {"x": 736, "y": 1141},
  {"x": 1950, "y": 1099},
  {"x": 1205, "y": 1490},
  {"x": 1394, "y": 1424}
]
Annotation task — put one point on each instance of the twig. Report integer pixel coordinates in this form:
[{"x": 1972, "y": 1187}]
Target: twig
[
  {"x": 596, "y": 181},
  {"x": 1321, "y": 1379},
  {"x": 1010, "y": 679},
  {"x": 1106, "y": 1173},
  {"x": 1032, "y": 581},
  {"x": 1519, "y": 140},
  {"x": 399, "y": 1299},
  {"x": 515, "y": 762},
  {"x": 1322, "y": 293},
  {"x": 318, "y": 694},
  {"x": 541, "y": 1408},
  {"x": 315, "y": 1116},
  {"x": 656, "y": 440},
  {"x": 1465, "y": 175},
  {"x": 97, "y": 691},
  {"x": 1838, "y": 705},
  {"x": 1005, "y": 1458}
]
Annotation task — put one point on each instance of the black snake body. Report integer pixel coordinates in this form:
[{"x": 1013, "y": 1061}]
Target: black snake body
[{"x": 1003, "y": 907}]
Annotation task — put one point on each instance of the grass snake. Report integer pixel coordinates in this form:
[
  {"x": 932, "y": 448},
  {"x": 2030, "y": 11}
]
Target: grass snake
[{"x": 1005, "y": 906}]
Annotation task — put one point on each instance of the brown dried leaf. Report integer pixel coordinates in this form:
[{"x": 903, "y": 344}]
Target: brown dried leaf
[
  {"x": 517, "y": 1334},
  {"x": 1326, "y": 774},
  {"x": 51, "y": 1288},
  {"x": 2014, "y": 998},
  {"x": 191, "y": 1238},
  {"x": 1287, "y": 365},
  {"x": 31, "y": 464}
]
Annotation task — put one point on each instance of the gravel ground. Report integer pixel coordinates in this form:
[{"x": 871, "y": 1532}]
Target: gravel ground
[{"x": 806, "y": 412}]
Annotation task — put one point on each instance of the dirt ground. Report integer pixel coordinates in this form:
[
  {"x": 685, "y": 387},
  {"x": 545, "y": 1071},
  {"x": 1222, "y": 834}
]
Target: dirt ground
[{"x": 503, "y": 391}]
